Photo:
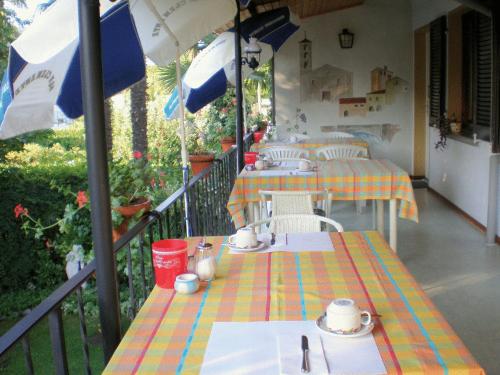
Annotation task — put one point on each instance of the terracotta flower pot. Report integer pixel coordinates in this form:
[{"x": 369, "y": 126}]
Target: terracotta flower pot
[
  {"x": 120, "y": 230},
  {"x": 227, "y": 143},
  {"x": 132, "y": 209},
  {"x": 199, "y": 162}
]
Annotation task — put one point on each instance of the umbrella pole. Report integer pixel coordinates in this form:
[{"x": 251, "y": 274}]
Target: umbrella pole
[
  {"x": 184, "y": 153},
  {"x": 93, "y": 109},
  {"x": 182, "y": 129}
]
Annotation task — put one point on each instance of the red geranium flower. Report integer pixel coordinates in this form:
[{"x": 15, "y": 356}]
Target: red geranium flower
[
  {"x": 233, "y": 101},
  {"x": 224, "y": 110},
  {"x": 19, "y": 210},
  {"x": 81, "y": 199},
  {"x": 137, "y": 154}
]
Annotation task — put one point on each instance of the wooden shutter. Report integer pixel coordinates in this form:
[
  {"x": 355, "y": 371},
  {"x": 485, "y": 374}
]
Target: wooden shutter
[
  {"x": 437, "y": 87},
  {"x": 483, "y": 66}
]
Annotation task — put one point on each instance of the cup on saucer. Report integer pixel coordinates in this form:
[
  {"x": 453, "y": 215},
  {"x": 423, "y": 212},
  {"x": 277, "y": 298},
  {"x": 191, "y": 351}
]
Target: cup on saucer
[
  {"x": 345, "y": 317},
  {"x": 260, "y": 165},
  {"x": 305, "y": 165},
  {"x": 244, "y": 238}
]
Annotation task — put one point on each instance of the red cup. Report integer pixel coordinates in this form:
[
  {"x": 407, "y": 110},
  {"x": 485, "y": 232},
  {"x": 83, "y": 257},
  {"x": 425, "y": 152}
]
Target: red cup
[
  {"x": 257, "y": 136},
  {"x": 170, "y": 259},
  {"x": 251, "y": 157}
]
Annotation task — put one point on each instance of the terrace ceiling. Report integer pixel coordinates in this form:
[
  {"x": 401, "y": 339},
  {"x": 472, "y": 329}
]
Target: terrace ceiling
[{"x": 306, "y": 8}]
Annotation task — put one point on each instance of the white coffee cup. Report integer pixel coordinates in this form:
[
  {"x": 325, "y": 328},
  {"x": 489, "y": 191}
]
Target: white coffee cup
[
  {"x": 244, "y": 238},
  {"x": 260, "y": 165},
  {"x": 304, "y": 165},
  {"x": 344, "y": 316}
]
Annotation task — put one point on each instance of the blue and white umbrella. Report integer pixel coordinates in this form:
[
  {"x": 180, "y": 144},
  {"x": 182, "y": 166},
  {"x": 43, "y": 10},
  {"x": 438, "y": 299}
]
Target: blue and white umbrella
[
  {"x": 214, "y": 68},
  {"x": 44, "y": 62}
]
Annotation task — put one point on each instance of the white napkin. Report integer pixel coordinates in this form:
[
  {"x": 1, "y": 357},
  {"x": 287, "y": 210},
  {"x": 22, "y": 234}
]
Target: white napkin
[
  {"x": 290, "y": 352},
  {"x": 274, "y": 172},
  {"x": 294, "y": 243}
]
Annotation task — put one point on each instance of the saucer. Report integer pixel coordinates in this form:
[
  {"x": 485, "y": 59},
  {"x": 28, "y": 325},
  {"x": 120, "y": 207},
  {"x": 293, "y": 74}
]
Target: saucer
[
  {"x": 321, "y": 324},
  {"x": 260, "y": 246}
]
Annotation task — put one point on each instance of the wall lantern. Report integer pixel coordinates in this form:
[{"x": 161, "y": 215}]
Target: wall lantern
[
  {"x": 252, "y": 52},
  {"x": 346, "y": 39}
]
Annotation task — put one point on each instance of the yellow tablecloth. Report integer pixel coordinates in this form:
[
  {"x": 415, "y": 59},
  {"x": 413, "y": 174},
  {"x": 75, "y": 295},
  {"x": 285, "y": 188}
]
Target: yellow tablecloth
[
  {"x": 344, "y": 180},
  {"x": 171, "y": 331}
]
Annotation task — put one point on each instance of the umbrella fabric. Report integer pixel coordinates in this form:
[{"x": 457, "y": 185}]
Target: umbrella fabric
[
  {"x": 39, "y": 78},
  {"x": 44, "y": 62},
  {"x": 214, "y": 68}
]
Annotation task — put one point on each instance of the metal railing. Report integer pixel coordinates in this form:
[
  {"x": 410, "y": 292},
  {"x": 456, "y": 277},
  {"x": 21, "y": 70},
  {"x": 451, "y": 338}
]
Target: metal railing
[{"x": 208, "y": 194}]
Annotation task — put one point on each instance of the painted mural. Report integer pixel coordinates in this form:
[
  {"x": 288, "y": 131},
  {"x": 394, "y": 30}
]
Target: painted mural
[
  {"x": 324, "y": 84},
  {"x": 331, "y": 84}
]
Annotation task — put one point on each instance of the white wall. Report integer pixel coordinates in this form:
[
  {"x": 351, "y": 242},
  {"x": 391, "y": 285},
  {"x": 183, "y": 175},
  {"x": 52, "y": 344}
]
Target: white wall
[
  {"x": 383, "y": 36},
  {"x": 460, "y": 173}
]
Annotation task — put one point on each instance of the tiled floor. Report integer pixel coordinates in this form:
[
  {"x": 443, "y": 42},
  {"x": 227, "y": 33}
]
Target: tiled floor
[{"x": 449, "y": 258}]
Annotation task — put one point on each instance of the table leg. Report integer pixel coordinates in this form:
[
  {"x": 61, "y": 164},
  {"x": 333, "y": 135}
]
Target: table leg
[
  {"x": 374, "y": 215},
  {"x": 380, "y": 216},
  {"x": 251, "y": 212},
  {"x": 393, "y": 224}
]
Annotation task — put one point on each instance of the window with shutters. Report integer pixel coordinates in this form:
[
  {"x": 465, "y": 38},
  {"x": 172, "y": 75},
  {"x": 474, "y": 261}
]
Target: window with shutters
[
  {"x": 477, "y": 74},
  {"x": 437, "y": 79}
]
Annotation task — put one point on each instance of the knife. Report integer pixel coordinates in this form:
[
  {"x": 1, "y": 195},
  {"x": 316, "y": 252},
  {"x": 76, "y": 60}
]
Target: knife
[
  {"x": 305, "y": 351},
  {"x": 273, "y": 238}
]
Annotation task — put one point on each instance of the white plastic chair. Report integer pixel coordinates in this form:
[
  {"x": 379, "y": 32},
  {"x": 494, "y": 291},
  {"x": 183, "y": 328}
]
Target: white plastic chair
[
  {"x": 296, "y": 224},
  {"x": 283, "y": 153},
  {"x": 345, "y": 152},
  {"x": 286, "y": 202},
  {"x": 337, "y": 135}
]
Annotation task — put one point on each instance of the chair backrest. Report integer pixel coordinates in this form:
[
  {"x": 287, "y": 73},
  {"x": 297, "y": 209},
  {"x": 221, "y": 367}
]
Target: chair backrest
[
  {"x": 285, "y": 202},
  {"x": 345, "y": 152},
  {"x": 299, "y": 137},
  {"x": 340, "y": 135},
  {"x": 280, "y": 153},
  {"x": 297, "y": 224}
]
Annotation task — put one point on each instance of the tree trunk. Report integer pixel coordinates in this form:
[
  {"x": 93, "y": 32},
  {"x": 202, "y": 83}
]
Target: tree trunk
[
  {"x": 138, "y": 114},
  {"x": 108, "y": 112}
]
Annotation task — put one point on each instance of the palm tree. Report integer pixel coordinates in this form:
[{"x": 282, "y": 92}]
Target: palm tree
[
  {"x": 258, "y": 84},
  {"x": 139, "y": 116}
]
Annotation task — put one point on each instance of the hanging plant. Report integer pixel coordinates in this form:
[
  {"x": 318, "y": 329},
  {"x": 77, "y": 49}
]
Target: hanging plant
[{"x": 444, "y": 128}]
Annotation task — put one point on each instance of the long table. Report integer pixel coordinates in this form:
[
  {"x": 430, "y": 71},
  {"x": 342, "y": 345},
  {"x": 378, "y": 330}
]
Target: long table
[
  {"x": 171, "y": 331},
  {"x": 357, "y": 180}
]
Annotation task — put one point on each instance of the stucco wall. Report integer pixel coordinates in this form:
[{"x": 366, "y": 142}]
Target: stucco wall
[{"x": 383, "y": 37}]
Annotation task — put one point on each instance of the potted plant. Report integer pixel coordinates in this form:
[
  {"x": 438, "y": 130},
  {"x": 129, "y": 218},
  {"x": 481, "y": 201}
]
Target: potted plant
[
  {"x": 200, "y": 157},
  {"x": 129, "y": 182},
  {"x": 220, "y": 120},
  {"x": 444, "y": 129}
]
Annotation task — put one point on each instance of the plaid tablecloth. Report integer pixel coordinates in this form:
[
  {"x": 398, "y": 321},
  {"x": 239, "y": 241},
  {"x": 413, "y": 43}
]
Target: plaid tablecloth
[
  {"x": 312, "y": 144},
  {"x": 170, "y": 333},
  {"x": 344, "y": 179}
]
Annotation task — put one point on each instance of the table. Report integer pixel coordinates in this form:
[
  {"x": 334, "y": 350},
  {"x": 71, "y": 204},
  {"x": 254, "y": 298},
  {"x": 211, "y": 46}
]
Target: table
[
  {"x": 343, "y": 179},
  {"x": 312, "y": 144},
  {"x": 171, "y": 331}
]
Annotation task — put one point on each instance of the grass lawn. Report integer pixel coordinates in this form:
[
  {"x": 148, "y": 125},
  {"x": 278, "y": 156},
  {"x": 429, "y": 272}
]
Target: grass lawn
[{"x": 41, "y": 349}]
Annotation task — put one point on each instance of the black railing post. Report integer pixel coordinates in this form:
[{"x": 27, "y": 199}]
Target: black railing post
[
  {"x": 239, "y": 90},
  {"x": 93, "y": 109},
  {"x": 58, "y": 345}
]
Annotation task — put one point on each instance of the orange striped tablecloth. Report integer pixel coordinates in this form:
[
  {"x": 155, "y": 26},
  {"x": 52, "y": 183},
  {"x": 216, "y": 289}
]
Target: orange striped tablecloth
[
  {"x": 344, "y": 180},
  {"x": 170, "y": 333}
]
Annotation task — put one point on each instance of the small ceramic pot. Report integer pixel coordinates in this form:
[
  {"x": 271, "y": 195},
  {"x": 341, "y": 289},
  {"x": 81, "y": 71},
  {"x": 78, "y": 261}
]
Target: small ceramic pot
[{"x": 187, "y": 283}]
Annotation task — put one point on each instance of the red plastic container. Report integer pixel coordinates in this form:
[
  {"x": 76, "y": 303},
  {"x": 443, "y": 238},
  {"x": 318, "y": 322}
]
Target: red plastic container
[
  {"x": 251, "y": 157},
  {"x": 257, "y": 136},
  {"x": 169, "y": 260}
]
